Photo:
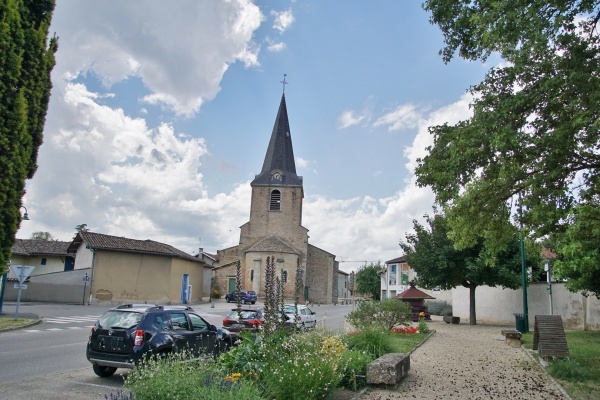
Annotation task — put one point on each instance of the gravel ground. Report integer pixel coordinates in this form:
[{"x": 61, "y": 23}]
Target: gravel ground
[{"x": 470, "y": 362}]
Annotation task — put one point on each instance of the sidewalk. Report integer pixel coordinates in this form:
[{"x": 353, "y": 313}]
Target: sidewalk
[{"x": 470, "y": 362}]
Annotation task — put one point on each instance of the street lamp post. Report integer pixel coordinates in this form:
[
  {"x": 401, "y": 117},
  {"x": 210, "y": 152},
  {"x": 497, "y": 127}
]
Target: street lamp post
[
  {"x": 523, "y": 272},
  {"x": 25, "y": 217}
]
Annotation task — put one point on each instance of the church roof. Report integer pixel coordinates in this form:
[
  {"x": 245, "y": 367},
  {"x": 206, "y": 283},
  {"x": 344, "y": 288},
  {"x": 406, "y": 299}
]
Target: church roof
[
  {"x": 280, "y": 154},
  {"x": 273, "y": 244}
]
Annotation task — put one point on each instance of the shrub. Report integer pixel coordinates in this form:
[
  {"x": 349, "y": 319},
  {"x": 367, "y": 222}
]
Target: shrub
[
  {"x": 178, "y": 378},
  {"x": 439, "y": 308},
  {"x": 373, "y": 341},
  {"x": 380, "y": 314},
  {"x": 355, "y": 362},
  {"x": 306, "y": 366},
  {"x": 423, "y": 328},
  {"x": 251, "y": 355}
]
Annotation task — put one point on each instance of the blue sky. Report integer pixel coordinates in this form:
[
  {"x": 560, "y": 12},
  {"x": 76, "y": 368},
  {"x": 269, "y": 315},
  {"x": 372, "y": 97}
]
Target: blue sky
[{"x": 161, "y": 113}]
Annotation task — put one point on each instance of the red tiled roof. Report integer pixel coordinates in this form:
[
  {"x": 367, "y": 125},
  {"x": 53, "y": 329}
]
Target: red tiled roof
[
  {"x": 413, "y": 293},
  {"x": 98, "y": 241},
  {"x": 33, "y": 247},
  {"x": 398, "y": 260}
]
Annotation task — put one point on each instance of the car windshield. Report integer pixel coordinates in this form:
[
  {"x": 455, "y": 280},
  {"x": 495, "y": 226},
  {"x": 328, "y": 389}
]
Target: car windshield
[
  {"x": 245, "y": 314},
  {"x": 119, "y": 319},
  {"x": 289, "y": 309}
]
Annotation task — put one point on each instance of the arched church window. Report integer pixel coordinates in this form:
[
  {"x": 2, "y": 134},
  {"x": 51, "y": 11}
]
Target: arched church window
[
  {"x": 275, "y": 204},
  {"x": 283, "y": 276}
]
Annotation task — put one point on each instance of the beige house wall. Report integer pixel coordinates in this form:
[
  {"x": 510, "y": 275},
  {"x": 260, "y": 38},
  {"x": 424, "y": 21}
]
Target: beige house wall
[
  {"x": 84, "y": 258},
  {"x": 131, "y": 277},
  {"x": 53, "y": 264},
  {"x": 196, "y": 279}
]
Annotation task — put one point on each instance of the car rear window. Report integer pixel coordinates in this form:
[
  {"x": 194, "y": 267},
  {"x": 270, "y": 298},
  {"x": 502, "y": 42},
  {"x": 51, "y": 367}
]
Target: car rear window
[
  {"x": 252, "y": 293},
  {"x": 119, "y": 319},
  {"x": 245, "y": 314}
]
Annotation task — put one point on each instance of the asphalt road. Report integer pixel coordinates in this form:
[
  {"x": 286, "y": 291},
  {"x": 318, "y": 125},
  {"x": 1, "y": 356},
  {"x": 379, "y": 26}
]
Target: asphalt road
[{"x": 47, "y": 361}]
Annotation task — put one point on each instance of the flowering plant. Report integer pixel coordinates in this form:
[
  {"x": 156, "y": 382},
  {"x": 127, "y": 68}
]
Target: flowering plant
[{"x": 405, "y": 329}]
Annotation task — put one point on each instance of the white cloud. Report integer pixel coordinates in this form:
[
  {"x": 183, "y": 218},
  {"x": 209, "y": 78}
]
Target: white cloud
[
  {"x": 165, "y": 45},
  {"x": 404, "y": 116},
  {"x": 275, "y": 47},
  {"x": 348, "y": 119},
  {"x": 301, "y": 162},
  {"x": 450, "y": 114},
  {"x": 283, "y": 20}
]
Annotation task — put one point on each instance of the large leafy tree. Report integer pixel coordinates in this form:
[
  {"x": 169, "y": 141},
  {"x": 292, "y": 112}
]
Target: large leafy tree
[
  {"x": 578, "y": 251},
  {"x": 367, "y": 280},
  {"x": 26, "y": 60},
  {"x": 532, "y": 142},
  {"x": 432, "y": 254}
]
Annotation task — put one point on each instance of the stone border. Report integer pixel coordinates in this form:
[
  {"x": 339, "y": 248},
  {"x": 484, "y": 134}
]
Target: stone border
[
  {"x": 544, "y": 364},
  {"x": 37, "y": 320},
  {"x": 358, "y": 395}
]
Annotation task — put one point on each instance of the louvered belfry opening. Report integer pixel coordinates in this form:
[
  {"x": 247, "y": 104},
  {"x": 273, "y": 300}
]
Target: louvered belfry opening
[{"x": 275, "y": 200}]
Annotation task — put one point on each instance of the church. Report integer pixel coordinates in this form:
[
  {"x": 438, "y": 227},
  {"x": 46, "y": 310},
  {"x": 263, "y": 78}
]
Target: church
[{"x": 275, "y": 230}]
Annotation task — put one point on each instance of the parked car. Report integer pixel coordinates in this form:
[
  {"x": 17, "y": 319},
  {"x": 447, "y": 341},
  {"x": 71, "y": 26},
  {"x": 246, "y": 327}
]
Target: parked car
[
  {"x": 124, "y": 335},
  {"x": 251, "y": 320},
  {"x": 304, "y": 318},
  {"x": 246, "y": 296}
]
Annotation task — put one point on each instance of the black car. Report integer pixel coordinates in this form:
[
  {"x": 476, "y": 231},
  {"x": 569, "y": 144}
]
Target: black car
[
  {"x": 246, "y": 296},
  {"x": 124, "y": 335}
]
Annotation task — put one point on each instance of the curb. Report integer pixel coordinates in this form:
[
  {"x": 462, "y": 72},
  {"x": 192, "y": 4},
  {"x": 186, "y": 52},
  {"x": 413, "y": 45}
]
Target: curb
[
  {"x": 16, "y": 328},
  {"x": 543, "y": 364}
]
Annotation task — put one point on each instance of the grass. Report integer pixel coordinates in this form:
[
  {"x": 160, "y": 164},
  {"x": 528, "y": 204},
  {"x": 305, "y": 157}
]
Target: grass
[
  {"x": 579, "y": 375},
  {"x": 405, "y": 343},
  {"x": 9, "y": 322}
]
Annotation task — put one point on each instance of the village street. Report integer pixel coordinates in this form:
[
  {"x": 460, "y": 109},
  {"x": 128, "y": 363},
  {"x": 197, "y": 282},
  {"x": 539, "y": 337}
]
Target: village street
[{"x": 47, "y": 361}]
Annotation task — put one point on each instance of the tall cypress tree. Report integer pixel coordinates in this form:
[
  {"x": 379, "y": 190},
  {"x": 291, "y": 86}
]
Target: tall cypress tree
[{"x": 26, "y": 61}]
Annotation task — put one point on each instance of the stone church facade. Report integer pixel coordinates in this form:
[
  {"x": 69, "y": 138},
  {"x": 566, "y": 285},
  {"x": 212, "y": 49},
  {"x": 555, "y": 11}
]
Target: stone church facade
[{"x": 275, "y": 230}]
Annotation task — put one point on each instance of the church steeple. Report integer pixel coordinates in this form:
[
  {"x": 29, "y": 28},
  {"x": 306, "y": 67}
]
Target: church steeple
[{"x": 279, "y": 167}]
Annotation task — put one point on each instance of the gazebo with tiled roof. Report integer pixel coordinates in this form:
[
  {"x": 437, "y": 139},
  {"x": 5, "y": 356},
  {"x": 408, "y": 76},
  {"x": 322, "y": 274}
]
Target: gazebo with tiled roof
[{"x": 416, "y": 298}]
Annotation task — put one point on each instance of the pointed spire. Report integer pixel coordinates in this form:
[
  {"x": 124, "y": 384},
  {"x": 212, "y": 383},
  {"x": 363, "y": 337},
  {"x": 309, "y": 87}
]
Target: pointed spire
[{"x": 279, "y": 167}]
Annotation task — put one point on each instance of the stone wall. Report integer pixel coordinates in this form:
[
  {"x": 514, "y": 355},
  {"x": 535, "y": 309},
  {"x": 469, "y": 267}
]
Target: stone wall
[
  {"x": 58, "y": 287},
  {"x": 498, "y": 306},
  {"x": 320, "y": 275}
]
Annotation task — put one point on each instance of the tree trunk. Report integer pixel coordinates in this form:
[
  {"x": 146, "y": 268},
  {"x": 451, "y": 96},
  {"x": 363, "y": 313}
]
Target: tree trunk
[{"x": 472, "y": 314}]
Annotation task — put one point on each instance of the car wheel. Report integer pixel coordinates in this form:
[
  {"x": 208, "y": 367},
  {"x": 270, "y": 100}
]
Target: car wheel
[
  {"x": 253, "y": 302},
  {"x": 243, "y": 301},
  {"x": 227, "y": 299},
  {"x": 103, "y": 372}
]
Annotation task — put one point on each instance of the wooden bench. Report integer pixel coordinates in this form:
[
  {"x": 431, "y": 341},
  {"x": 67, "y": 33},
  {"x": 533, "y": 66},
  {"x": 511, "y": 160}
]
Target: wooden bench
[
  {"x": 451, "y": 319},
  {"x": 388, "y": 370},
  {"x": 512, "y": 337},
  {"x": 549, "y": 337}
]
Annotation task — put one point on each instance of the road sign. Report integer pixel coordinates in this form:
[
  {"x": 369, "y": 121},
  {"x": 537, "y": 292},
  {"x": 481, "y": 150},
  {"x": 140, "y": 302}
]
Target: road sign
[
  {"x": 22, "y": 271},
  {"x": 20, "y": 286}
]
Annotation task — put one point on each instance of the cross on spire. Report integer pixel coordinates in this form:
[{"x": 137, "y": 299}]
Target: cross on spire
[{"x": 284, "y": 82}]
